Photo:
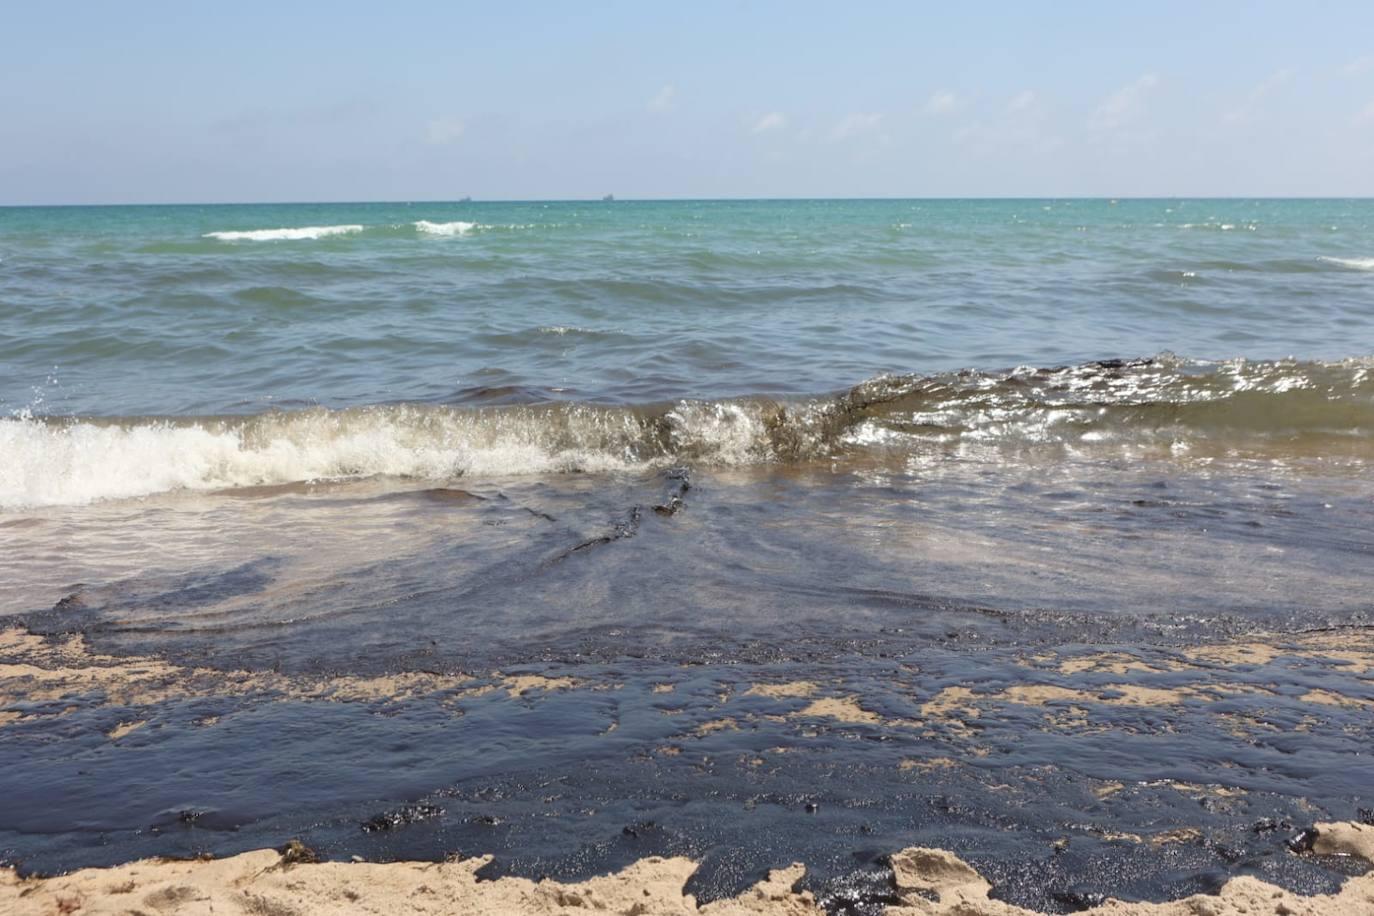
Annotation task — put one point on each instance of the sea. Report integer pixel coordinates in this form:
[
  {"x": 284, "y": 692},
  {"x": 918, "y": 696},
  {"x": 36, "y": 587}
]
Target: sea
[{"x": 388, "y": 438}]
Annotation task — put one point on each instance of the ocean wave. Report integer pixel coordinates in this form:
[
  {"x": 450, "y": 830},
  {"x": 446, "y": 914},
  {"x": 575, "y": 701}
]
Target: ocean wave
[
  {"x": 277, "y": 235},
  {"x": 1113, "y": 409},
  {"x": 1220, "y": 226},
  {"x": 1352, "y": 263},
  {"x": 63, "y": 462},
  {"x": 458, "y": 227}
]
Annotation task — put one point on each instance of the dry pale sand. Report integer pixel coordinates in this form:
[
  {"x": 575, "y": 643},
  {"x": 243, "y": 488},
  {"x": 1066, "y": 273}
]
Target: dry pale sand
[{"x": 931, "y": 882}]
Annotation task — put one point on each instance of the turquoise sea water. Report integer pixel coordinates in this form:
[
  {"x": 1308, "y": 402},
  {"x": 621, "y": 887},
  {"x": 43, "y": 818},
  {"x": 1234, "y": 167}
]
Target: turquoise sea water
[
  {"x": 140, "y": 310},
  {"x": 654, "y": 323}
]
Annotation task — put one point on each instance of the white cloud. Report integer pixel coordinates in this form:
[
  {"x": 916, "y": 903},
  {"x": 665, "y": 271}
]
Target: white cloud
[
  {"x": 774, "y": 120},
  {"x": 1122, "y": 106},
  {"x": 1022, "y": 125},
  {"x": 445, "y": 130},
  {"x": 663, "y": 99},
  {"x": 1257, "y": 95},
  {"x": 942, "y": 101},
  {"x": 1024, "y": 100},
  {"x": 1359, "y": 66},
  {"x": 857, "y": 122},
  {"x": 1364, "y": 115},
  {"x": 1009, "y": 134}
]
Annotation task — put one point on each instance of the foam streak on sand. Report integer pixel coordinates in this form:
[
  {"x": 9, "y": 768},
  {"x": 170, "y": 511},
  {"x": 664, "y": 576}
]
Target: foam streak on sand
[
  {"x": 279, "y": 235},
  {"x": 927, "y": 882}
]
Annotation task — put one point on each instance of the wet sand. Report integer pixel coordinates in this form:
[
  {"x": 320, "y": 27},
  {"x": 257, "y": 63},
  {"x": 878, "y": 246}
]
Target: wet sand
[{"x": 1063, "y": 776}]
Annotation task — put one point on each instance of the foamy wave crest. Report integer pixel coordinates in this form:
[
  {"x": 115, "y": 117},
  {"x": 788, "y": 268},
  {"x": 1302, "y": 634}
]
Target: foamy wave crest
[
  {"x": 1352, "y": 263},
  {"x": 454, "y": 228},
  {"x": 278, "y": 235},
  {"x": 62, "y": 462},
  {"x": 1114, "y": 409}
]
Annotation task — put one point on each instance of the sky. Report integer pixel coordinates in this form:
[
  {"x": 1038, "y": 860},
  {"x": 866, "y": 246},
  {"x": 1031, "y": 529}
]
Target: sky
[{"x": 162, "y": 102}]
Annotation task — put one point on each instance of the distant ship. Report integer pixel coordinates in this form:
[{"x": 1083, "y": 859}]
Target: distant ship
[
  {"x": 609, "y": 197},
  {"x": 465, "y": 199}
]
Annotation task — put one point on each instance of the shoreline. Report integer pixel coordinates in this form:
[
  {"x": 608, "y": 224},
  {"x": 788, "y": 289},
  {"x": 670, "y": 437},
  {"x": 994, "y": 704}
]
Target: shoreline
[
  {"x": 925, "y": 882},
  {"x": 724, "y": 771}
]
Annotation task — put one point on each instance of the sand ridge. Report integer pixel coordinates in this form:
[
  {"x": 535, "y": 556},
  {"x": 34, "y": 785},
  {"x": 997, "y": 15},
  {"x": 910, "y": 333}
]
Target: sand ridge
[{"x": 38, "y": 670}]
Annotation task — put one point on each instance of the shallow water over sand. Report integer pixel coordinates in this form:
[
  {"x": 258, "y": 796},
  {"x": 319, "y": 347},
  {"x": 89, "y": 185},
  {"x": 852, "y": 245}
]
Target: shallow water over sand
[{"x": 656, "y": 564}]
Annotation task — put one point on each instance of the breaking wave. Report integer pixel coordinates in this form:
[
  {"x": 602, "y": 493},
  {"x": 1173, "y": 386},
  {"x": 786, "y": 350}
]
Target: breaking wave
[
  {"x": 277, "y": 235},
  {"x": 1352, "y": 263},
  {"x": 310, "y": 233},
  {"x": 454, "y": 228},
  {"x": 1115, "y": 408}
]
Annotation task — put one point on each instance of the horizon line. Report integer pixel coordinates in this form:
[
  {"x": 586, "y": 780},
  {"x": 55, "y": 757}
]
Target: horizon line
[{"x": 618, "y": 200}]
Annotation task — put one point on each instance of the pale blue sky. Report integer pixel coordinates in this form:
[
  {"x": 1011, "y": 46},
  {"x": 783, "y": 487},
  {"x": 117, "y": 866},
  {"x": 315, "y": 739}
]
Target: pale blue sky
[{"x": 249, "y": 101}]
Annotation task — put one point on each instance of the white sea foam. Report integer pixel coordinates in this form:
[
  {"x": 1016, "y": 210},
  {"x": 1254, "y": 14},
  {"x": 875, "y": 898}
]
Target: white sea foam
[
  {"x": 869, "y": 433},
  {"x": 277, "y": 235},
  {"x": 48, "y": 462},
  {"x": 454, "y": 228},
  {"x": 1223, "y": 227},
  {"x": 80, "y": 462},
  {"x": 1352, "y": 263}
]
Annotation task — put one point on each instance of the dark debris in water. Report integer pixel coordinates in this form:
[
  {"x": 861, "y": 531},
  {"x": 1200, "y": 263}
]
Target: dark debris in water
[
  {"x": 1302, "y": 840},
  {"x": 868, "y": 889},
  {"x": 401, "y": 817},
  {"x": 297, "y": 853},
  {"x": 181, "y": 819},
  {"x": 626, "y": 528},
  {"x": 676, "y": 498}
]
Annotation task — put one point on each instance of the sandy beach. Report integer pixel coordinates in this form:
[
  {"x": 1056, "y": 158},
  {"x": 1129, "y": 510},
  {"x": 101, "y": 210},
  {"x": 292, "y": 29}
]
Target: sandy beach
[{"x": 925, "y": 882}]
